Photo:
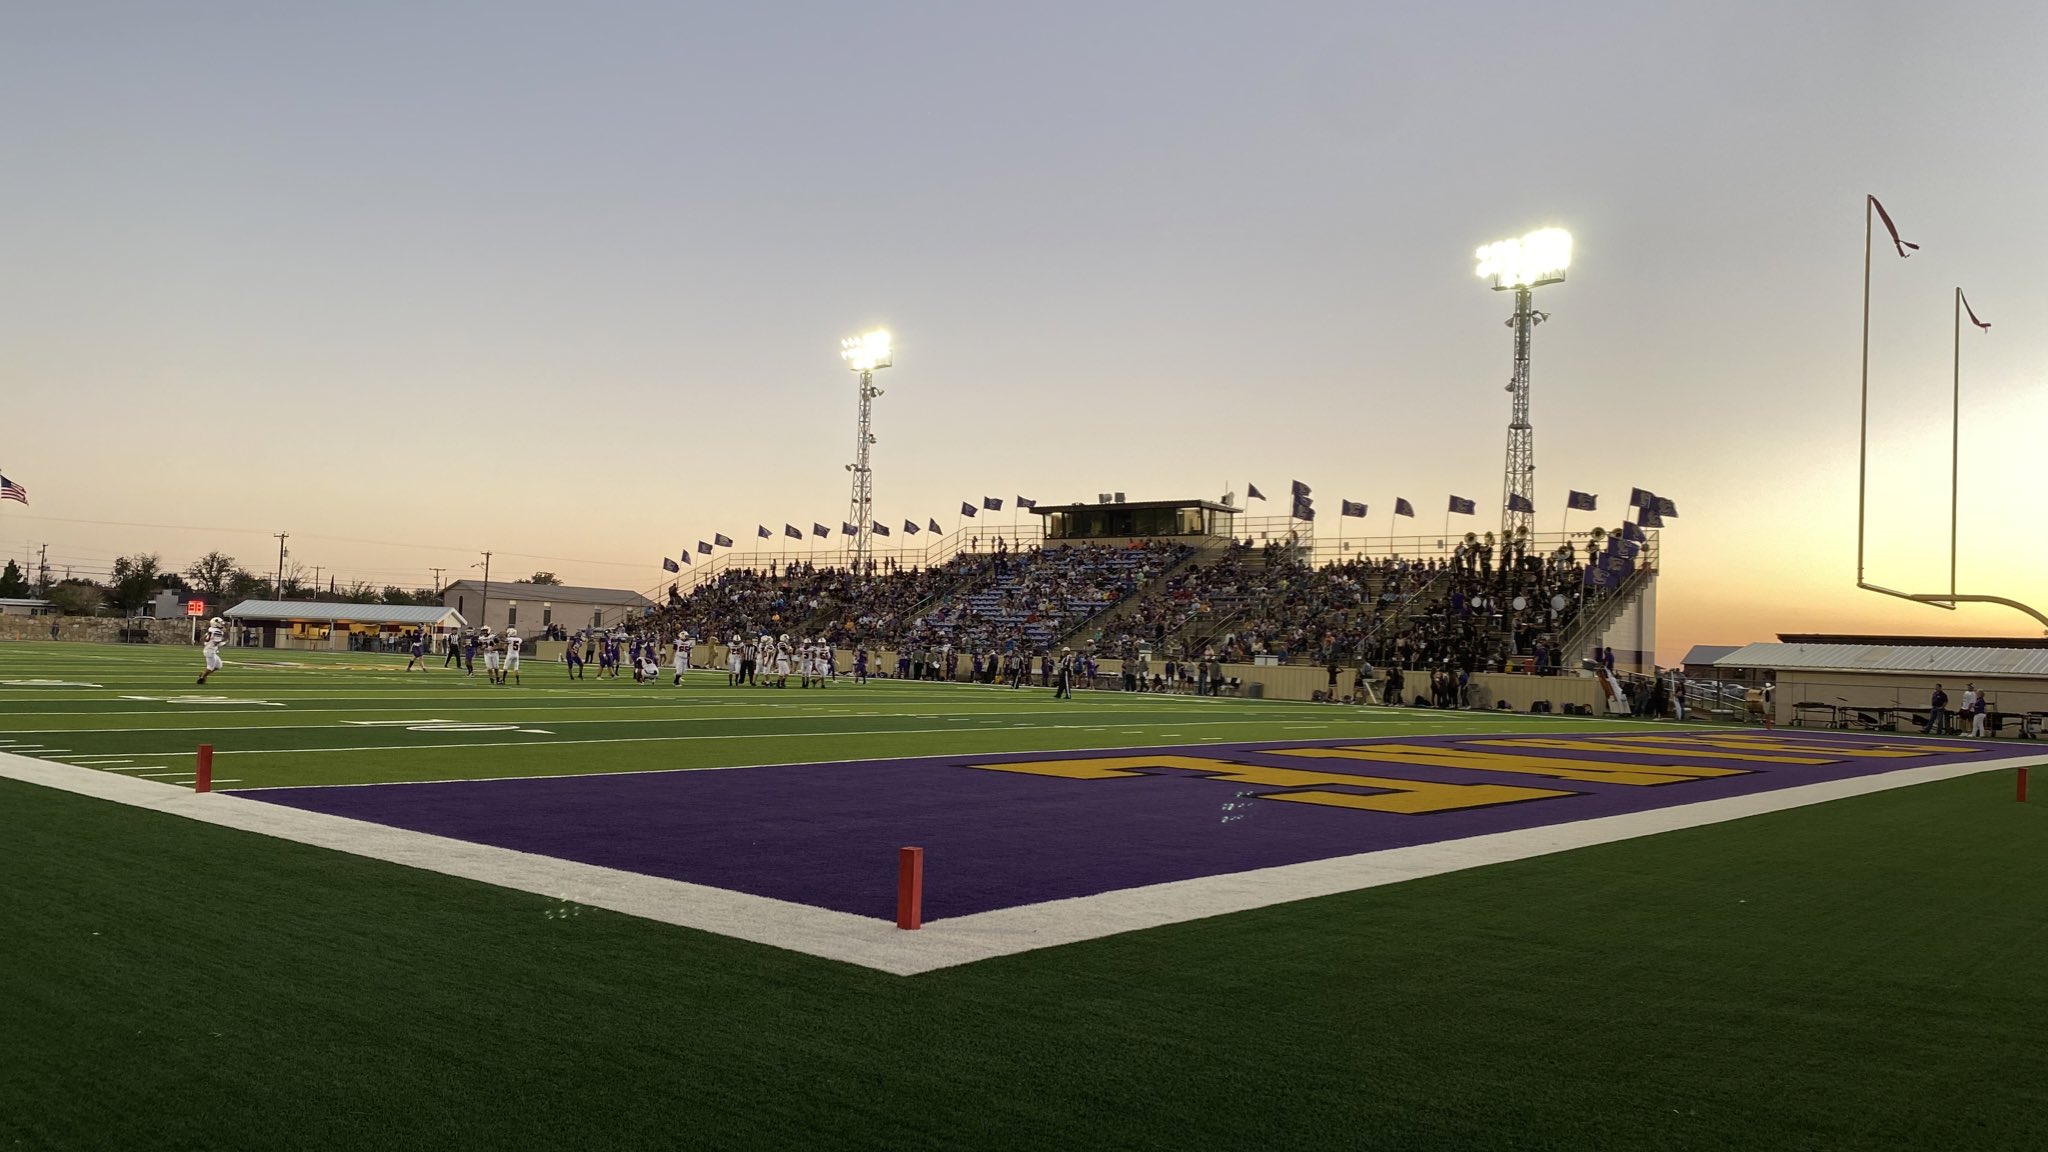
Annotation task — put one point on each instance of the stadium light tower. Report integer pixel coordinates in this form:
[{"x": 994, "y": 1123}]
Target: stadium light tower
[
  {"x": 864, "y": 354},
  {"x": 1522, "y": 266}
]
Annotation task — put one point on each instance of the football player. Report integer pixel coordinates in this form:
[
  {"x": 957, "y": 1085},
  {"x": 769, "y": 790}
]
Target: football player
[{"x": 216, "y": 635}]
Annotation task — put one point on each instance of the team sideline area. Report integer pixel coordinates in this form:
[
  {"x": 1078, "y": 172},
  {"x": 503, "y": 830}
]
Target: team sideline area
[{"x": 1358, "y": 927}]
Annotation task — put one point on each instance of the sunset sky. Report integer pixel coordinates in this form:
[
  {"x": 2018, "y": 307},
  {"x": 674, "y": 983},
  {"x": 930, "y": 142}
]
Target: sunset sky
[{"x": 567, "y": 282}]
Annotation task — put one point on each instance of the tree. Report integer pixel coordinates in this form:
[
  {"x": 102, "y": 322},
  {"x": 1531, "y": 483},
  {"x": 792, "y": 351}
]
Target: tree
[
  {"x": 359, "y": 592},
  {"x": 246, "y": 585},
  {"x": 541, "y": 578},
  {"x": 75, "y": 597},
  {"x": 12, "y": 584},
  {"x": 213, "y": 573},
  {"x": 133, "y": 582}
]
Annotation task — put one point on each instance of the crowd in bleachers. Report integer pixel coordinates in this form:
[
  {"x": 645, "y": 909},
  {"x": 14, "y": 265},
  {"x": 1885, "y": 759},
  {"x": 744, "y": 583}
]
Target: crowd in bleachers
[
  {"x": 983, "y": 613},
  {"x": 1455, "y": 611},
  {"x": 999, "y": 601}
]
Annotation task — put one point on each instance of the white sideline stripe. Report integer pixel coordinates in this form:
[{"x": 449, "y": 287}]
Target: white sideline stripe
[
  {"x": 879, "y": 944},
  {"x": 445, "y": 745}
]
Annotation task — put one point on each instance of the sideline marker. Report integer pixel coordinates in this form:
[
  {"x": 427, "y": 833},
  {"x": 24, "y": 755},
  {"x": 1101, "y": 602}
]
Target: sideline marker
[
  {"x": 202, "y": 781},
  {"x": 910, "y": 888},
  {"x": 2022, "y": 797}
]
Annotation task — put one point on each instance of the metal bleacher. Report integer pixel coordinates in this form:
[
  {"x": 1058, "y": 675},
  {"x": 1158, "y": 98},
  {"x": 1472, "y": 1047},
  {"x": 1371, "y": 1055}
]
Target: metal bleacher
[{"x": 1007, "y": 604}]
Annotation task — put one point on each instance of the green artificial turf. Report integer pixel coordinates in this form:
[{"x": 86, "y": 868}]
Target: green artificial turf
[
  {"x": 1860, "y": 974},
  {"x": 1857, "y": 975},
  {"x": 304, "y": 718}
]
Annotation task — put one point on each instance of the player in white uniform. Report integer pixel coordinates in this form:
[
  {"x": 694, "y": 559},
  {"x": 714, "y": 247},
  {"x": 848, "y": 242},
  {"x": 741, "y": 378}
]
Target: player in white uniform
[
  {"x": 511, "y": 668},
  {"x": 489, "y": 644},
  {"x": 782, "y": 658},
  {"x": 216, "y": 635},
  {"x": 732, "y": 662},
  {"x": 682, "y": 654}
]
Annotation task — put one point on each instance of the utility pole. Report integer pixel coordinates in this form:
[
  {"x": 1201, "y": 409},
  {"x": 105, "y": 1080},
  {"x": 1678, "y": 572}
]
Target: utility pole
[
  {"x": 482, "y": 612},
  {"x": 316, "y": 577},
  {"x": 43, "y": 567},
  {"x": 437, "y": 579},
  {"x": 281, "y": 538}
]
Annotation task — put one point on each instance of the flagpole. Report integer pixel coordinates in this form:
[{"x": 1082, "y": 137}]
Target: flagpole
[
  {"x": 1955, "y": 416},
  {"x": 1863, "y": 418}
]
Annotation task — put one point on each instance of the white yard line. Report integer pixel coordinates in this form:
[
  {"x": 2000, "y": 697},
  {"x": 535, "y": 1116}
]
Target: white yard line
[
  {"x": 443, "y": 745},
  {"x": 961, "y": 940},
  {"x": 691, "y": 716}
]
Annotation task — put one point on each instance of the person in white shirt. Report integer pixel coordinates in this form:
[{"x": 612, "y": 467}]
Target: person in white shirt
[
  {"x": 216, "y": 635},
  {"x": 511, "y": 668},
  {"x": 682, "y": 654}
]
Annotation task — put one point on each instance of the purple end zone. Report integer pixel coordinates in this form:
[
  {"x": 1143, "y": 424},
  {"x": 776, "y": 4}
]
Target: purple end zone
[{"x": 827, "y": 834}]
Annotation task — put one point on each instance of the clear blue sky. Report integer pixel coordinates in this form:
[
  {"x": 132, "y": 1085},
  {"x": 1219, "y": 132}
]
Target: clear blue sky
[{"x": 570, "y": 280}]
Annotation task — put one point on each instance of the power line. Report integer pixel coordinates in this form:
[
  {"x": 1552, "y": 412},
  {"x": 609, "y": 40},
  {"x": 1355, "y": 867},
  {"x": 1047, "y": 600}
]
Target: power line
[{"x": 338, "y": 539}]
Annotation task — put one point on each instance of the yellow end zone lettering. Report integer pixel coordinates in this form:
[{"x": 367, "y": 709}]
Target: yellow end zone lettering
[
  {"x": 1557, "y": 767},
  {"x": 1405, "y": 797},
  {"x": 1639, "y": 746},
  {"x": 1792, "y": 744}
]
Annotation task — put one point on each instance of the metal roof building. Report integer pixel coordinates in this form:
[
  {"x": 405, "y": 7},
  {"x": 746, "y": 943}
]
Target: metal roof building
[
  {"x": 512, "y": 604},
  {"x": 1888, "y": 681},
  {"x": 1898, "y": 659},
  {"x": 402, "y": 615}
]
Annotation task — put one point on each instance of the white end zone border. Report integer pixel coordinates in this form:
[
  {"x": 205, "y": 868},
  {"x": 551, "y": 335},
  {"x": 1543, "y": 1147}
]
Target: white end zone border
[{"x": 959, "y": 940}]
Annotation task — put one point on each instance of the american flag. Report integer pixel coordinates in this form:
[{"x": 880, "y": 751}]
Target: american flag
[{"x": 9, "y": 490}]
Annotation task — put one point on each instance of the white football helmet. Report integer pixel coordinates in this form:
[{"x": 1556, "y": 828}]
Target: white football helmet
[
  {"x": 511, "y": 631},
  {"x": 216, "y": 621}
]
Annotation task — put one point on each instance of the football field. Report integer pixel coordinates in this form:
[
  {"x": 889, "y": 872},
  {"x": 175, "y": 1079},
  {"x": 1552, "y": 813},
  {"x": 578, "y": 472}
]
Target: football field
[{"x": 429, "y": 911}]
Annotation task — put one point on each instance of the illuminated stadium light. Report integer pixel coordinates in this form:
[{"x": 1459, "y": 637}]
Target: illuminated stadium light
[
  {"x": 867, "y": 351},
  {"x": 1536, "y": 259},
  {"x": 864, "y": 354},
  {"x": 1522, "y": 266}
]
